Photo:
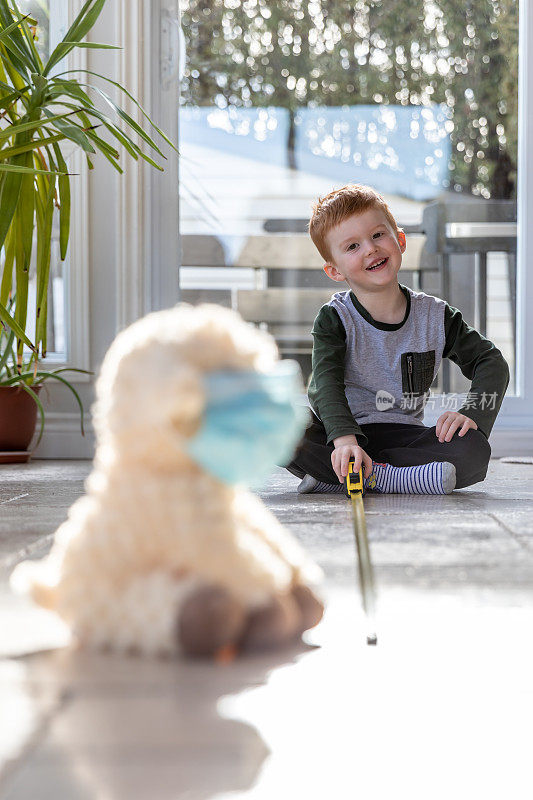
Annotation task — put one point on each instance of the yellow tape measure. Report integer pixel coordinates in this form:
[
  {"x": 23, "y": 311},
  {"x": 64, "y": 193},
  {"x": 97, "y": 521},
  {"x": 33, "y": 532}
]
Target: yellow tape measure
[
  {"x": 355, "y": 488},
  {"x": 354, "y": 480}
]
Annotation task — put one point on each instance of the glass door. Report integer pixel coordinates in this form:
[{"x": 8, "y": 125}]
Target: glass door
[{"x": 282, "y": 102}]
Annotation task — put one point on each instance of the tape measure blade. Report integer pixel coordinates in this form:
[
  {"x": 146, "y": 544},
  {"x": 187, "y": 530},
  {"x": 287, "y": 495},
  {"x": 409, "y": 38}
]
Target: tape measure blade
[{"x": 366, "y": 572}]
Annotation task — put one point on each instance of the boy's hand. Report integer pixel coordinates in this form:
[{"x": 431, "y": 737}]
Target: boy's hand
[
  {"x": 449, "y": 422},
  {"x": 346, "y": 447}
]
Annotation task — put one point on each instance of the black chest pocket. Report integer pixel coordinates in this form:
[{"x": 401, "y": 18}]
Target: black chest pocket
[{"x": 417, "y": 372}]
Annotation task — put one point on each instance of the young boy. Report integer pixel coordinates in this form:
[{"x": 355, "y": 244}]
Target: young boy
[{"x": 377, "y": 349}]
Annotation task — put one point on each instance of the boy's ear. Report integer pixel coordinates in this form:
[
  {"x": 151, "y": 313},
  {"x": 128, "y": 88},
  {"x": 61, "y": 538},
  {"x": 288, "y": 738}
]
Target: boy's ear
[
  {"x": 401, "y": 240},
  {"x": 333, "y": 273}
]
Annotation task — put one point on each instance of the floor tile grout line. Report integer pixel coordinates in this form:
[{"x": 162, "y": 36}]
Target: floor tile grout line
[
  {"x": 517, "y": 538},
  {"x": 12, "y": 499},
  {"x": 9, "y": 770}
]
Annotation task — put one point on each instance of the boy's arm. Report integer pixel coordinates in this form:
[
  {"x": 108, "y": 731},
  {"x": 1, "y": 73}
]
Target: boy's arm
[
  {"x": 480, "y": 361},
  {"x": 326, "y": 390}
]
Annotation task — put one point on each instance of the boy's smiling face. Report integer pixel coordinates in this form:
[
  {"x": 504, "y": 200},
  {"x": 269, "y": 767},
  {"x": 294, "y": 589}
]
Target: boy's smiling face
[{"x": 365, "y": 251}]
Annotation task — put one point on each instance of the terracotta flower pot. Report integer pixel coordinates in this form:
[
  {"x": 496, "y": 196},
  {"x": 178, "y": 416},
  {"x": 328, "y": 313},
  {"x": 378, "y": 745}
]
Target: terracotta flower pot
[{"x": 18, "y": 415}]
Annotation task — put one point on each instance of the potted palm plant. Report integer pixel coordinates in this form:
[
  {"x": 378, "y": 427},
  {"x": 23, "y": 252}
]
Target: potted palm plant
[{"x": 43, "y": 111}]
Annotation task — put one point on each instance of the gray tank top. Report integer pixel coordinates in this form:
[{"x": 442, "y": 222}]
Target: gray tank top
[{"x": 387, "y": 373}]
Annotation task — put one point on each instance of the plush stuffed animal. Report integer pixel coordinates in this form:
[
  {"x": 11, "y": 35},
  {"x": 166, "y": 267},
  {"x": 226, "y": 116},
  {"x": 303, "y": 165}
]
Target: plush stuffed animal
[{"x": 163, "y": 554}]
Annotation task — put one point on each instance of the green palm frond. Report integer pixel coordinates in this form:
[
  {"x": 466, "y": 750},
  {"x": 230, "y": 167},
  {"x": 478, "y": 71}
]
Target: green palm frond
[{"x": 40, "y": 113}]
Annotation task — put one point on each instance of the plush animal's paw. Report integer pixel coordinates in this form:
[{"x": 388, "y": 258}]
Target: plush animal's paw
[
  {"x": 210, "y": 619},
  {"x": 310, "y": 606},
  {"x": 284, "y": 619},
  {"x": 272, "y": 625}
]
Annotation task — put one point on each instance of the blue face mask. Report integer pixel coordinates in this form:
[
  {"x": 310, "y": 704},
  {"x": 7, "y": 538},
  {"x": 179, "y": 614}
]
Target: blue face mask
[{"x": 251, "y": 423}]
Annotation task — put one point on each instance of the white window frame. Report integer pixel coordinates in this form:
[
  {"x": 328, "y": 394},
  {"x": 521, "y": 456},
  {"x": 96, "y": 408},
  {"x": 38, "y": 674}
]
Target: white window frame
[
  {"x": 518, "y": 411},
  {"x": 76, "y": 279},
  {"x": 148, "y": 245},
  {"x": 148, "y": 248}
]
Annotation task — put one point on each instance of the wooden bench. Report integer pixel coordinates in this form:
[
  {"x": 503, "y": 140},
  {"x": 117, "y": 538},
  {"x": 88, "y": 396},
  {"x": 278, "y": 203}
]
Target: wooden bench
[{"x": 289, "y": 285}]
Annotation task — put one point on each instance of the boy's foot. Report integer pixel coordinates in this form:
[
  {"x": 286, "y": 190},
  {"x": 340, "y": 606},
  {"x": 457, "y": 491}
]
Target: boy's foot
[
  {"x": 310, "y": 485},
  {"x": 437, "y": 477}
]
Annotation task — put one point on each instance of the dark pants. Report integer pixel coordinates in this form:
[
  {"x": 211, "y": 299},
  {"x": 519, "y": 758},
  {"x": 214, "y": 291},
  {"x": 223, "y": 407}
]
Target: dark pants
[{"x": 400, "y": 445}]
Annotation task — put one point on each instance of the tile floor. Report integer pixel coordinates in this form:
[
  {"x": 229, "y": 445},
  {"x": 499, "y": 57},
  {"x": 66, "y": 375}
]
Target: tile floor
[{"x": 441, "y": 708}]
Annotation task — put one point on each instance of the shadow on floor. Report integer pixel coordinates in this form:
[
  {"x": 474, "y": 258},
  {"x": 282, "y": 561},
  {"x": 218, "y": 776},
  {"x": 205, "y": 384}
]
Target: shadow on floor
[{"x": 125, "y": 727}]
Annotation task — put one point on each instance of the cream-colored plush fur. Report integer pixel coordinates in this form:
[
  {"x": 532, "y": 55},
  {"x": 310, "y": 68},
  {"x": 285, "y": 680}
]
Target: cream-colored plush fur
[{"x": 152, "y": 523}]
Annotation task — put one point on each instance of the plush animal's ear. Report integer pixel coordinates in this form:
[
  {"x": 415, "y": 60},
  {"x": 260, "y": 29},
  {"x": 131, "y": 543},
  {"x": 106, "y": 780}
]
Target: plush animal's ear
[{"x": 152, "y": 393}]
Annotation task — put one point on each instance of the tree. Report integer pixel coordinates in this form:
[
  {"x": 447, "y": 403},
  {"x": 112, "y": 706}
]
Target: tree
[{"x": 291, "y": 53}]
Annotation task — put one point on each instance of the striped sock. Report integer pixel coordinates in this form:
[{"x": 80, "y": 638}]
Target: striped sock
[
  {"x": 310, "y": 485},
  {"x": 438, "y": 477}
]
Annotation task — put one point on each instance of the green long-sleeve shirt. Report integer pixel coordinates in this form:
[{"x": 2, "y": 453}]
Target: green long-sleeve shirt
[{"x": 477, "y": 357}]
